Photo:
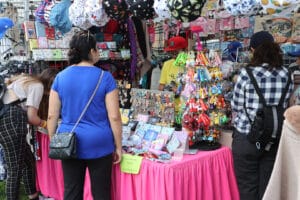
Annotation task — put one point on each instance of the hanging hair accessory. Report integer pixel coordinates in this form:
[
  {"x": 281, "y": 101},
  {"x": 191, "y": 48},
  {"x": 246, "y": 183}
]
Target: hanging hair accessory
[{"x": 197, "y": 30}]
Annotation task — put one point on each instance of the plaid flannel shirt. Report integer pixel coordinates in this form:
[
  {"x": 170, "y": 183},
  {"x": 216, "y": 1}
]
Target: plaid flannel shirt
[{"x": 271, "y": 84}]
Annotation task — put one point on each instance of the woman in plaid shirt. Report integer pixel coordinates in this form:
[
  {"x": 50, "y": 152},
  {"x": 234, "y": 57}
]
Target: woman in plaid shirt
[{"x": 252, "y": 166}]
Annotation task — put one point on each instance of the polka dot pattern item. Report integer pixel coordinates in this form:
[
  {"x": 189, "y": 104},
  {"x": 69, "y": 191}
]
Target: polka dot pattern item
[
  {"x": 242, "y": 7},
  {"x": 276, "y": 6},
  {"x": 186, "y": 10},
  {"x": 77, "y": 16},
  {"x": 142, "y": 9},
  {"x": 95, "y": 13},
  {"x": 116, "y": 9},
  {"x": 161, "y": 9}
]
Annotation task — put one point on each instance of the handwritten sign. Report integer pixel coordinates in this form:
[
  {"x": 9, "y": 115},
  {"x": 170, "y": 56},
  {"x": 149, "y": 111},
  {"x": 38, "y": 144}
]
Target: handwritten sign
[{"x": 131, "y": 164}]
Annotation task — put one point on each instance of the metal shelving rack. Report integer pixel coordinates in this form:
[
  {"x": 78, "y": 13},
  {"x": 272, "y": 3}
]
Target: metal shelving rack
[{"x": 13, "y": 43}]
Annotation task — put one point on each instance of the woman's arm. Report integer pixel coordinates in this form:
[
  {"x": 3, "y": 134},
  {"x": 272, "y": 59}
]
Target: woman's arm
[
  {"x": 33, "y": 118},
  {"x": 114, "y": 116},
  {"x": 53, "y": 112}
]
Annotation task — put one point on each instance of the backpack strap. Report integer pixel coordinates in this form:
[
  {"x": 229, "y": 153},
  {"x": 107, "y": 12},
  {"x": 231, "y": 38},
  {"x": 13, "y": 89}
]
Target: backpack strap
[
  {"x": 261, "y": 97},
  {"x": 285, "y": 89},
  {"x": 254, "y": 82}
]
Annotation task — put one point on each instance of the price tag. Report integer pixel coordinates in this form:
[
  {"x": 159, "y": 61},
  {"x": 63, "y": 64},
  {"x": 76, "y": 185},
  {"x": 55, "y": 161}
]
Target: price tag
[{"x": 131, "y": 164}]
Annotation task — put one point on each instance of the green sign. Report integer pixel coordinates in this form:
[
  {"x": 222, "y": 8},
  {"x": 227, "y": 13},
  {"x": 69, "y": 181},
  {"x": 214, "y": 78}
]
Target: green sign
[{"x": 131, "y": 164}]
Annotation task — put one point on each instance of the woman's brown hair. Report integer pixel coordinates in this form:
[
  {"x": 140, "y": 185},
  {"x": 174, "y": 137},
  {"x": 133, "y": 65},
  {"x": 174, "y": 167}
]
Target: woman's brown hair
[
  {"x": 268, "y": 52},
  {"x": 46, "y": 77}
]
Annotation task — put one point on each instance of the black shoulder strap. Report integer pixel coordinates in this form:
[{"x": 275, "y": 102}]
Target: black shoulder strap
[
  {"x": 261, "y": 97},
  {"x": 253, "y": 81},
  {"x": 285, "y": 89}
]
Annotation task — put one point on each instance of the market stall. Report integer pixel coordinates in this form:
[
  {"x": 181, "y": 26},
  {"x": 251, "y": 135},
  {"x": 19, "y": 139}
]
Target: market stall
[
  {"x": 194, "y": 177},
  {"x": 136, "y": 39}
]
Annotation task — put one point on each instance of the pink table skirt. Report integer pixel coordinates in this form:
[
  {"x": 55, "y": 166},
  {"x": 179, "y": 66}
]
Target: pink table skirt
[
  {"x": 50, "y": 180},
  {"x": 208, "y": 175}
]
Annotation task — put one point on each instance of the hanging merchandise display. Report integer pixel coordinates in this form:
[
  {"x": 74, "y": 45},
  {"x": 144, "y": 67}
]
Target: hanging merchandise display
[
  {"x": 142, "y": 9},
  {"x": 279, "y": 27},
  {"x": 154, "y": 104},
  {"x": 47, "y": 10},
  {"x": 161, "y": 9},
  {"x": 95, "y": 13},
  {"x": 5, "y": 24},
  {"x": 200, "y": 27},
  {"x": 40, "y": 11},
  {"x": 76, "y": 15},
  {"x": 186, "y": 10},
  {"x": 276, "y": 6},
  {"x": 232, "y": 50},
  {"x": 176, "y": 43},
  {"x": 242, "y": 7},
  {"x": 116, "y": 9},
  {"x": 204, "y": 110},
  {"x": 59, "y": 16},
  {"x": 295, "y": 37}
]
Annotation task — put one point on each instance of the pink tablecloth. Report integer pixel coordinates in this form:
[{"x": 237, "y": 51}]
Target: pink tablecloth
[
  {"x": 208, "y": 175},
  {"x": 49, "y": 178}
]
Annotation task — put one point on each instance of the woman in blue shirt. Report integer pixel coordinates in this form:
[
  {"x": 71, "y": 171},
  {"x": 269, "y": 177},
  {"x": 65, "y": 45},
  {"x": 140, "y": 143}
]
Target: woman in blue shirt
[{"x": 99, "y": 131}]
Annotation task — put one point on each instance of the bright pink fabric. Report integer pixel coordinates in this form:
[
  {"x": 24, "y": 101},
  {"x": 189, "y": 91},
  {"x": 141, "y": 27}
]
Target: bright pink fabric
[
  {"x": 208, "y": 175},
  {"x": 49, "y": 172},
  {"x": 50, "y": 180}
]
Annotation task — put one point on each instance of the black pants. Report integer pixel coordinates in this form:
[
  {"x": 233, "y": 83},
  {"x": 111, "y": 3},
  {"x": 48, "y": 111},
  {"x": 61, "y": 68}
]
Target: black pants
[
  {"x": 100, "y": 175},
  {"x": 18, "y": 156},
  {"x": 252, "y": 167}
]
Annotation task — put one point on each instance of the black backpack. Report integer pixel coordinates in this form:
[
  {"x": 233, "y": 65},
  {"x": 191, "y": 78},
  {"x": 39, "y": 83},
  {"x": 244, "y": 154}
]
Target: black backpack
[
  {"x": 3, "y": 107},
  {"x": 267, "y": 125}
]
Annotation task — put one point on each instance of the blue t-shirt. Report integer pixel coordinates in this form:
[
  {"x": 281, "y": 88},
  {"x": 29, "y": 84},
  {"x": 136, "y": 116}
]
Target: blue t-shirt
[{"x": 75, "y": 86}]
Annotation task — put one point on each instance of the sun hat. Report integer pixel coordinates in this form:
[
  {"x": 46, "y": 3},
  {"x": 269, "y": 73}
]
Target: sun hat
[
  {"x": 259, "y": 38},
  {"x": 295, "y": 53},
  {"x": 176, "y": 43},
  {"x": 274, "y": 6},
  {"x": 5, "y": 23},
  {"x": 95, "y": 13},
  {"x": 161, "y": 9},
  {"x": 59, "y": 16},
  {"x": 233, "y": 46},
  {"x": 116, "y": 9},
  {"x": 186, "y": 10},
  {"x": 76, "y": 15},
  {"x": 142, "y": 9},
  {"x": 242, "y": 7},
  {"x": 231, "y": 52}
]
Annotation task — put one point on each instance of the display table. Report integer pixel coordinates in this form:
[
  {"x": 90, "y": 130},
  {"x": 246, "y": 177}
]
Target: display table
[{"x": 208, "y": 175}]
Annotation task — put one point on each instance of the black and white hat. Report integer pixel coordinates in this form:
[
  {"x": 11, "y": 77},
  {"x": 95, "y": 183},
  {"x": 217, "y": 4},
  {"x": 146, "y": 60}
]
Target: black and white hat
[
  {"x": 142, "y": 9},
  {"x": 116, "y": 9},
  {"x": 186, "y": 10}
]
